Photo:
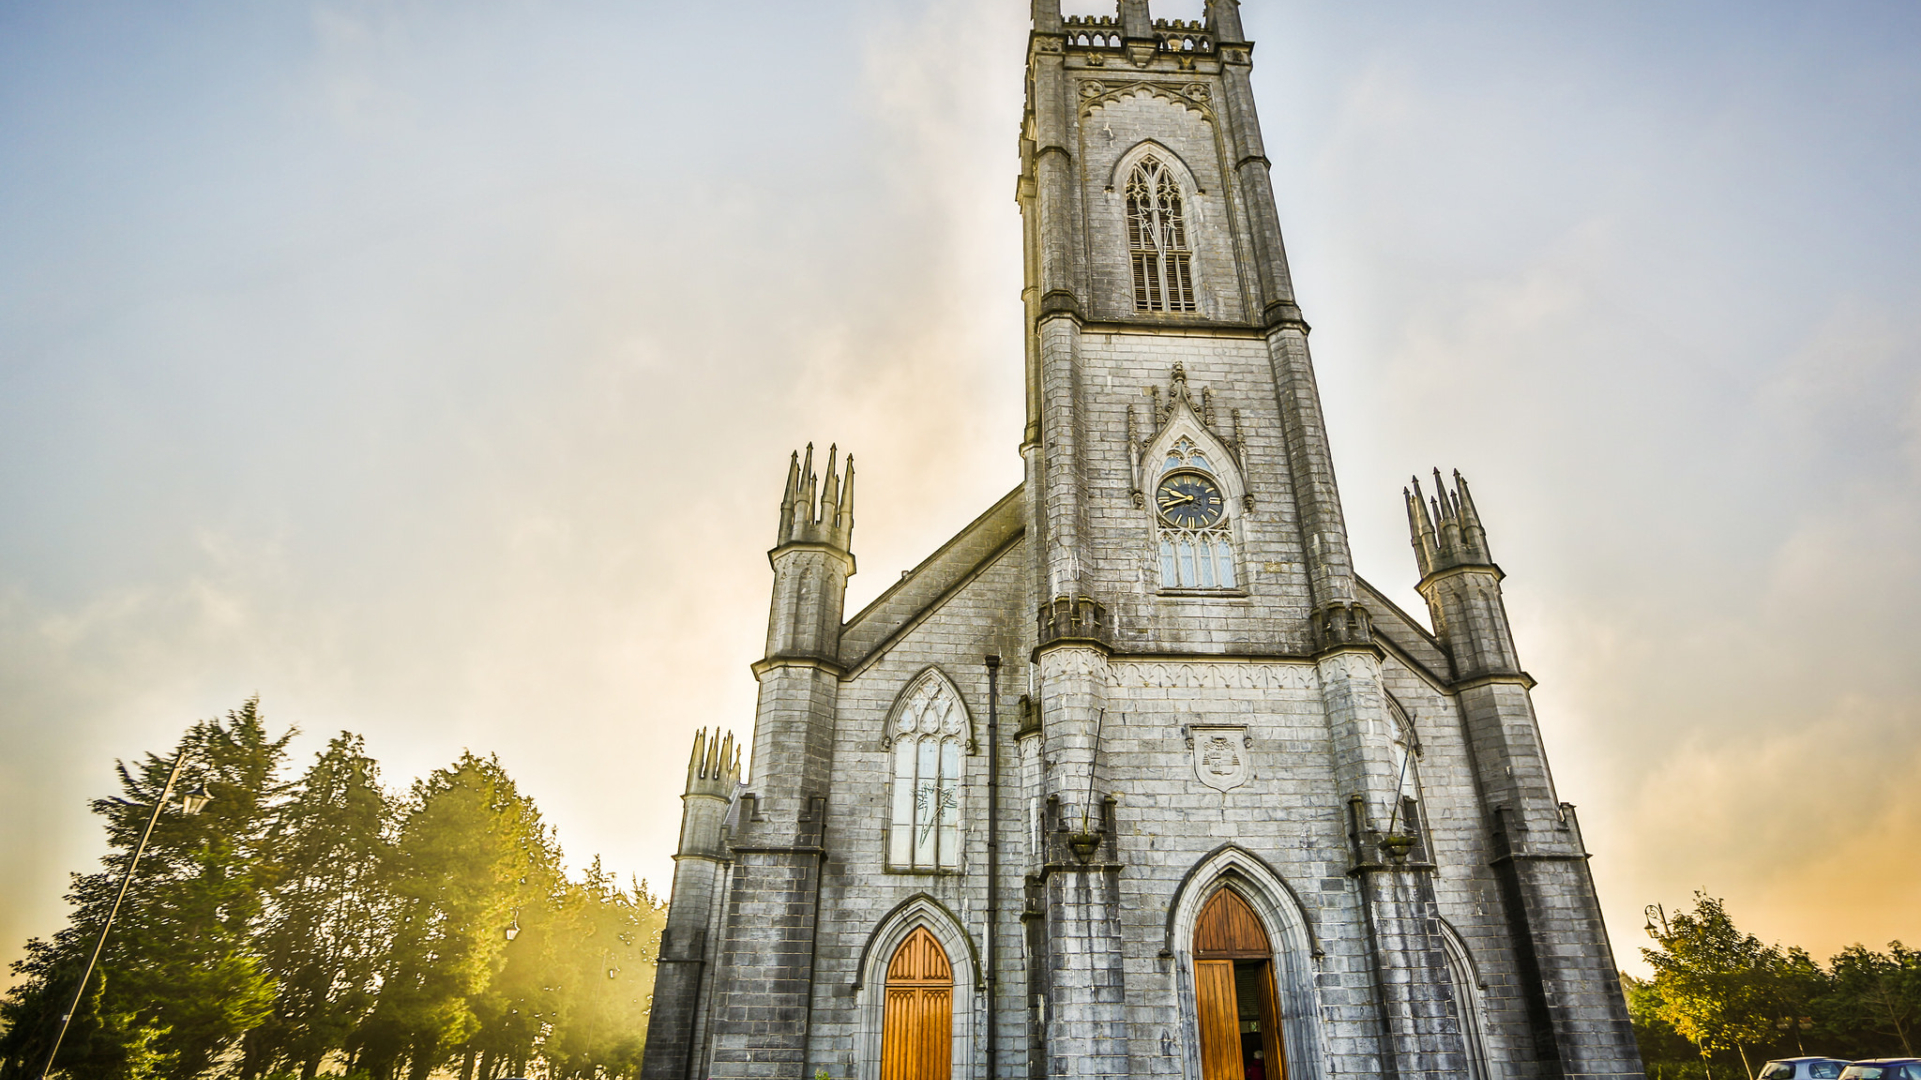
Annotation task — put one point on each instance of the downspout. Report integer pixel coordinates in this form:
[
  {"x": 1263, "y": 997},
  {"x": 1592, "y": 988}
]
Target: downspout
[{"x": 993, "y": 862}]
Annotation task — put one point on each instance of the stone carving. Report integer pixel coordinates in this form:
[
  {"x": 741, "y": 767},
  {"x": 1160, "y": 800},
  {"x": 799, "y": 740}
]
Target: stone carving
[
  {"x": 1094, "y": 94},
  {"x": 1058, "y": 663},
  {"x": 1220, "y": 754},
  {"x": 1218, "y": 676}
]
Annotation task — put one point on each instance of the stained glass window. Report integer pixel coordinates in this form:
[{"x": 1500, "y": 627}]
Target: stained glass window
[{"x": 928, "y": 734}]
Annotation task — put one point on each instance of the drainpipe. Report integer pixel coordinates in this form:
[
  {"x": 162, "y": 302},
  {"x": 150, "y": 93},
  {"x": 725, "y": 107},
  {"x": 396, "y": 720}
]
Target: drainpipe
[{"x": 993, "y": 862}]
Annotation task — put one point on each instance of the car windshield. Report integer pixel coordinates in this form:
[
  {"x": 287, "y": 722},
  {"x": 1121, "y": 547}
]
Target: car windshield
[
  {"x": 1824, "y": 1070},
  {"x": 1864, "y": 1072},
  {"x": 1777, "y": 1070}
]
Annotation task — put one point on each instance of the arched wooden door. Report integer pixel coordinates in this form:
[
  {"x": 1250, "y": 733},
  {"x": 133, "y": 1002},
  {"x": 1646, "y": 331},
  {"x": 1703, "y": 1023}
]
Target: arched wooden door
[
  {"x": 1240, "y": 1021},
  {"x": 917, "y": 1036}
]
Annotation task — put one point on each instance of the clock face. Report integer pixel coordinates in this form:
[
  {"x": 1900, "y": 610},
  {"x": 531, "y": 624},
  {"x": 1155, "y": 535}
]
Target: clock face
[{"x": 1189, "y": 500}]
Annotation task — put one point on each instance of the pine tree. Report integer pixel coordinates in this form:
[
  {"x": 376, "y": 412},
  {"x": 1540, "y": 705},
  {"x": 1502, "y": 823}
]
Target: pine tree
[
  {"x": 178, "y": 980},
  {"x": 328, "y": 921},
  {"x": 603, "y": 976},
  {"x": 471, "y": 852}
]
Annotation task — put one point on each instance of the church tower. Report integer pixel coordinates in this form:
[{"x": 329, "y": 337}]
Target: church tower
[{"x": 1246, "y": 817}]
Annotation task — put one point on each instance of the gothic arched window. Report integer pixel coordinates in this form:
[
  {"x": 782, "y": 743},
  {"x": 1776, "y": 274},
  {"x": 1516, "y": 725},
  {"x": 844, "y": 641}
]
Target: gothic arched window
[
  {"x": 1157, "y": 238},
  {"x": 1405, "y": 755},
  {"x": 1195, "y": 558},
  {"x": 929, "y": 733}
]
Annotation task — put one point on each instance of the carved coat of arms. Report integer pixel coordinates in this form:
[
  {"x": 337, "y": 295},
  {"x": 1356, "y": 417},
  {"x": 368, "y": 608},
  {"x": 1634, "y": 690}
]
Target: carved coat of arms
[{"x": 1220, "y": 754}]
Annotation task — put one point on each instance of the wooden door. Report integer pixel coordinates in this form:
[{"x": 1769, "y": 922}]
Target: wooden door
[
  {"x": 916, "y": 1040},
  {"x": 1219, "y": 1020},
  {"x": 1232, "y": 962}
]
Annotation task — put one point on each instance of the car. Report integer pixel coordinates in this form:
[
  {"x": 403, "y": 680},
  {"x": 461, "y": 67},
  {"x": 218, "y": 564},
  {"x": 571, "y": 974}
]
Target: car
[
  {"x": 1802, "y": 1068},
  {"x": 1902, "y": 1068}
]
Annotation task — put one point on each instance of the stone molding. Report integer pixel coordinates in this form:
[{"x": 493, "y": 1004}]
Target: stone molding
[
  {"x": 1194, "y": 96},
  {"x": 1295, "y": 957},
  {"x": 1212, "y": 675},
  {"x": 870, "y": 987},
  {"x": 1225, "y": 673}
]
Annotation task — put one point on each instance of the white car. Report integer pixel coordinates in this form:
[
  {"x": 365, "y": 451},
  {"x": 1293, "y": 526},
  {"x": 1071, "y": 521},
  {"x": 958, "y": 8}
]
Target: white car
[
  {"x": 1802, "y": 1068},
  {"x": 1905, "y": 1068}
]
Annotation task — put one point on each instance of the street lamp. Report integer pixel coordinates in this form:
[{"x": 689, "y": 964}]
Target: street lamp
[
  {"x": 513, "y": 931},
  {"x": 1656, "y": 914},
  {"x": 191, "y": 803},
  {"x": 195, "y": 801}
]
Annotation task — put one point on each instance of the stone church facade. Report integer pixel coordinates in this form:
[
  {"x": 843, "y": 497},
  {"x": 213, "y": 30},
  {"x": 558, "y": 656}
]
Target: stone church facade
[{"x": 1135, "y": 776}]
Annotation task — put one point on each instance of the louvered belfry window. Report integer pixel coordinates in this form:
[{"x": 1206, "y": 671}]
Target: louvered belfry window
[{"x": 1157, "y": 239}]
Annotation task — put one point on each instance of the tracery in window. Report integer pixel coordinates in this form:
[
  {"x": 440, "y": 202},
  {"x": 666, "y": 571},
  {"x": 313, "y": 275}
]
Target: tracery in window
[
  {"x": 1157, "y": 238},
  {"x": 929, "y": 733},
  {"x": 1405, "y": 755},
  {"x": 1194, "y": 557}
]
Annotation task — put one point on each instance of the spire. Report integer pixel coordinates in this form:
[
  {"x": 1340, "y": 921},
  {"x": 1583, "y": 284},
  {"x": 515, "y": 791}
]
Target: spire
[
  {"x": 787, "y": 500},
  {"x": 715, "y": 766},
  {"x": 1047, "y": 16},
  {"x": 812, "y": 512},
  {"x": 1224, "y": 20},
  {"x": 1135, "y": 20},
  {"x": 830, "y": 496},
  {"x": 696, "y": 765},
  {"x": 1471, "y": 531},
  {"x": 1452, "y": 536},
  {"x": 1447, "y": 516},
  {"x": 807, "y": 486},
  {"x": 844, "y": 515},
  {"x": 1420, "y": 527}
]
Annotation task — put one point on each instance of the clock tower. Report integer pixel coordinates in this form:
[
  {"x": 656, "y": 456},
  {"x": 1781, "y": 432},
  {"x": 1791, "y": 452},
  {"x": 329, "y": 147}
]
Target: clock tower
[{"x": 1135, "y": 775}]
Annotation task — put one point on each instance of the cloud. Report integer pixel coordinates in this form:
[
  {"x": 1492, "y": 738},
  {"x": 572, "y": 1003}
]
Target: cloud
[{"x": 432, "y": 369}]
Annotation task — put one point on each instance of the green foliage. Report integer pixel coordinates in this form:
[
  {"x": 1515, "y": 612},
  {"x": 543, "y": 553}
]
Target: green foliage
[
  {"x": 1734, "y": 1002},
  {"x": 471, "y": 852},
  {"x": 605, "y": 974},
  {"x": 325, "y": 925},
  {"x": 1712, "y": 980},
  {"x": 111, "y": 1045},
  {"x": 329, "y": 918},
  {"x": 1658, "y": 1040},
  {"x": 1880, "y": 993},
  {"x": 186, "y": 980}
]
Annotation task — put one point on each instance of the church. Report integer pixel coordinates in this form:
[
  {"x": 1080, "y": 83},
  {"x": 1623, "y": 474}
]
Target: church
[{"x": 1135, "y": 776}]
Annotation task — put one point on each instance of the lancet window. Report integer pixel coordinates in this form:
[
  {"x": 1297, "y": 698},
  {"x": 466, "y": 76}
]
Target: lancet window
[
  {"x": 1195, "y": 530},
  {"x": 1157, "y": 238},
  {"x": 1405, "y": 754},
  {"x": 929, "y": 734}
]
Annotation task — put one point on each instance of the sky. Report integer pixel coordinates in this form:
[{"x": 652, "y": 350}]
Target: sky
[{"x": 430, "y": 368}]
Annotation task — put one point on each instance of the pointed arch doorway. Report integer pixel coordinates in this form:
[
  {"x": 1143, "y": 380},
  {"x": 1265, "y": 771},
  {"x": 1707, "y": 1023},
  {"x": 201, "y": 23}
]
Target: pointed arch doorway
[
  {"x": 917, "y": 1031},
  {"x": 1239, "y": 1017}
]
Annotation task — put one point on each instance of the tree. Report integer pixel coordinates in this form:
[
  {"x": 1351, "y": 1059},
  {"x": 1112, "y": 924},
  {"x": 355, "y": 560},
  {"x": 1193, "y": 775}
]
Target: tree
[
  {"x": 1665, "y": 1054},
  {"x": 102, "y": 1043},
  {"x": 604, "y": 976},
  {"x": 1714, "y": 982},
  {"x": 327, "y": 922},
  {"x": 471, "y": 853},
  {"x": 1795, "y": 983},
  {"x": 178, "y": 981},
  {"x": 1877, "y": 993}
]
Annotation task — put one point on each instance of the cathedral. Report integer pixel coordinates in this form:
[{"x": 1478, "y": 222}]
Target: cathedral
[{"x": 1135, "y": 776}]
